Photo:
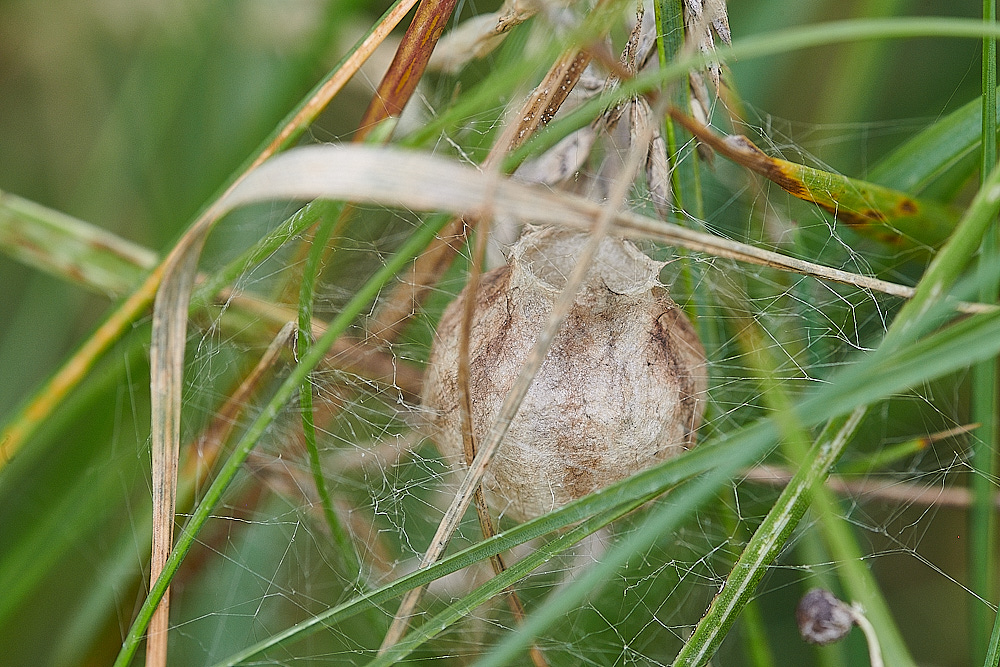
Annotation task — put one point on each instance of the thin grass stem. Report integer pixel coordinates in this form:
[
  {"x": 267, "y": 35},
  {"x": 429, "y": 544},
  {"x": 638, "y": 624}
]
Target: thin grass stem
[
  {"x": 982, "y": 519},
  {"x": 329, "y": 227}
]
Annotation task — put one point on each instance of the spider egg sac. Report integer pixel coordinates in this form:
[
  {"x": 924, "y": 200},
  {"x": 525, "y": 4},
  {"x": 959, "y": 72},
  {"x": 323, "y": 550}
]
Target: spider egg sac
[{"x": 622, "y": 386}]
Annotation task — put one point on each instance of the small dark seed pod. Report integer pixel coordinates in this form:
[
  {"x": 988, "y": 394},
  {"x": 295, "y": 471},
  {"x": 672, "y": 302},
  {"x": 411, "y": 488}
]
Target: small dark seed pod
[
  {"x": 621, "y": 388},
  {"x": 822, "y": 618}
]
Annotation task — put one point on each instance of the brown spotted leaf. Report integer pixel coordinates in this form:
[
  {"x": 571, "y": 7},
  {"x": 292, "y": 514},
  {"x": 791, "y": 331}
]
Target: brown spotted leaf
[{"x": 872, "y": 210}]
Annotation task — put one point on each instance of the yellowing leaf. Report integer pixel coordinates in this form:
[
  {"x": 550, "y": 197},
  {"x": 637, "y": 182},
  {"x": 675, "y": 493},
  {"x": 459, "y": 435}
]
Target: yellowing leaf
[{"x": 872, "y": 210}]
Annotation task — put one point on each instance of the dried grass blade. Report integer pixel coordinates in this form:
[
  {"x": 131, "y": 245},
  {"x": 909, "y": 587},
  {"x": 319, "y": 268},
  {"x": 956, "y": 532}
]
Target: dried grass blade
[
  {"x": 395, "y": 177},
  {"x": 170, "y": 323},
  {"x": 326, "y": 91},
  {"x": 409, "y": 63},
  {"x": 892, "y": 491},
  {"x": 205, "y": 450},
  {"x": 169, "y": 335},
  {"x": 600, "y": 226}
]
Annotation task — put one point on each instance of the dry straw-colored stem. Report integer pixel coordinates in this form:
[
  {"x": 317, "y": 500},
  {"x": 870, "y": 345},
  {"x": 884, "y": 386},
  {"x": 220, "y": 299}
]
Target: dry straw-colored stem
[
  {"x": 205, "y": 451},
  {"x": 536, "y": 112},
  {"x": 894, "y": 491},
  {"x": 602, "y": 223},
  {"x": 172, "y": 297}
]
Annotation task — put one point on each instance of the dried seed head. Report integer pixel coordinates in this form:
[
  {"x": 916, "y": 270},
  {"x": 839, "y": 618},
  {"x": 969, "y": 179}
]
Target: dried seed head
[
  {"x": 621, "y": 388},
  {"x": 822, "y": 618}
]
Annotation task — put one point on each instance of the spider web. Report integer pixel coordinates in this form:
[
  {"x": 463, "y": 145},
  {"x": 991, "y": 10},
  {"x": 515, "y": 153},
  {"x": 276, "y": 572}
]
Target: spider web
[{"x": 268, "y": 560}]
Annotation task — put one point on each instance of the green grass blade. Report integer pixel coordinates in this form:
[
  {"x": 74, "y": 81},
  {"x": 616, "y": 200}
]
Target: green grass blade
[
  {"x": 664, "y": 519},
  {"x": 767, "y": 542},
  {"x": 993, "y": 651},
  {"x": 937, "y": 161},
  {"x": 64, "y": 246},
  {"x": 495, "y": 586},
  {"x": 646, "y": 484},
  {"x": 982, "y": 552},
  {"x": 329, "y": 221},
  {"x": 228, "y": 471}
]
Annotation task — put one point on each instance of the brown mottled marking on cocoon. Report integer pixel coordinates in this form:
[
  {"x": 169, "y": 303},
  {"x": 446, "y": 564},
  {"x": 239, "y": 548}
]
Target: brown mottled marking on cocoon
[{"x": 621, "y": 388}]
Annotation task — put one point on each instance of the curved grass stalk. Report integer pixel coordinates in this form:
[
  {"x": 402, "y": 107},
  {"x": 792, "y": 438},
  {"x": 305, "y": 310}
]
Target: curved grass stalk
[
  {"x": 228, "y": 471},
  {"x": 542, "y": 106},
  {"x": 273, "y": 180},
  {"x": 172, "y": 282},
  {"x": 648, "y": 484},
  {"x": 515, "y": 573},
  {"x": 768, "y": 541}
]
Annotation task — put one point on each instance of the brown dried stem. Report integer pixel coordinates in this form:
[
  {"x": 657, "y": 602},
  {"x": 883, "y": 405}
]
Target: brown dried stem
[
  {"x": 537, "y": 111},
  {"x": 395, "y": 89},
  {"x": 533, "y": 115},
  {"x": 409, "y": 63},
  {"x": 203, "y": 452},
  {"x": 512, "y": 402},
  {"x": 955, "y": 497},
  {"x": 347, "y": 354},
  {"x": 468, "y": 435}
]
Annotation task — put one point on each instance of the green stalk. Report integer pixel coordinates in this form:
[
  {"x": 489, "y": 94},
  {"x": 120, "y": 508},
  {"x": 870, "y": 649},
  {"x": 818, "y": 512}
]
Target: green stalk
[
  {"x": 815, "y": 463},
  {"x": 993, "y": 655},
  {"x": 746, "y": 445},
  {"x": 753, "y": 625},
  {"x": 292, "y": 227},
  {"x": 329, "y": 220},
  {"x": 759, "y": 653},
  {"x": 669, "y": 17},
  {"x": 811, "y": 552},
  {"x": 683, "y": 503},
  {"x": 769, "y": 538},
  {"x": 982, "y": 516}
]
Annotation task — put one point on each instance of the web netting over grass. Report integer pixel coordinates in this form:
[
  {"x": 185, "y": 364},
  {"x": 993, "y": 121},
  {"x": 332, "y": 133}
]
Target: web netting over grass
[{"x": 270, "y": 557}]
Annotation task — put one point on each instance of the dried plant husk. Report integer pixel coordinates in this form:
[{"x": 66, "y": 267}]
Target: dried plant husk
[{"x": 621, "y": 388}]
